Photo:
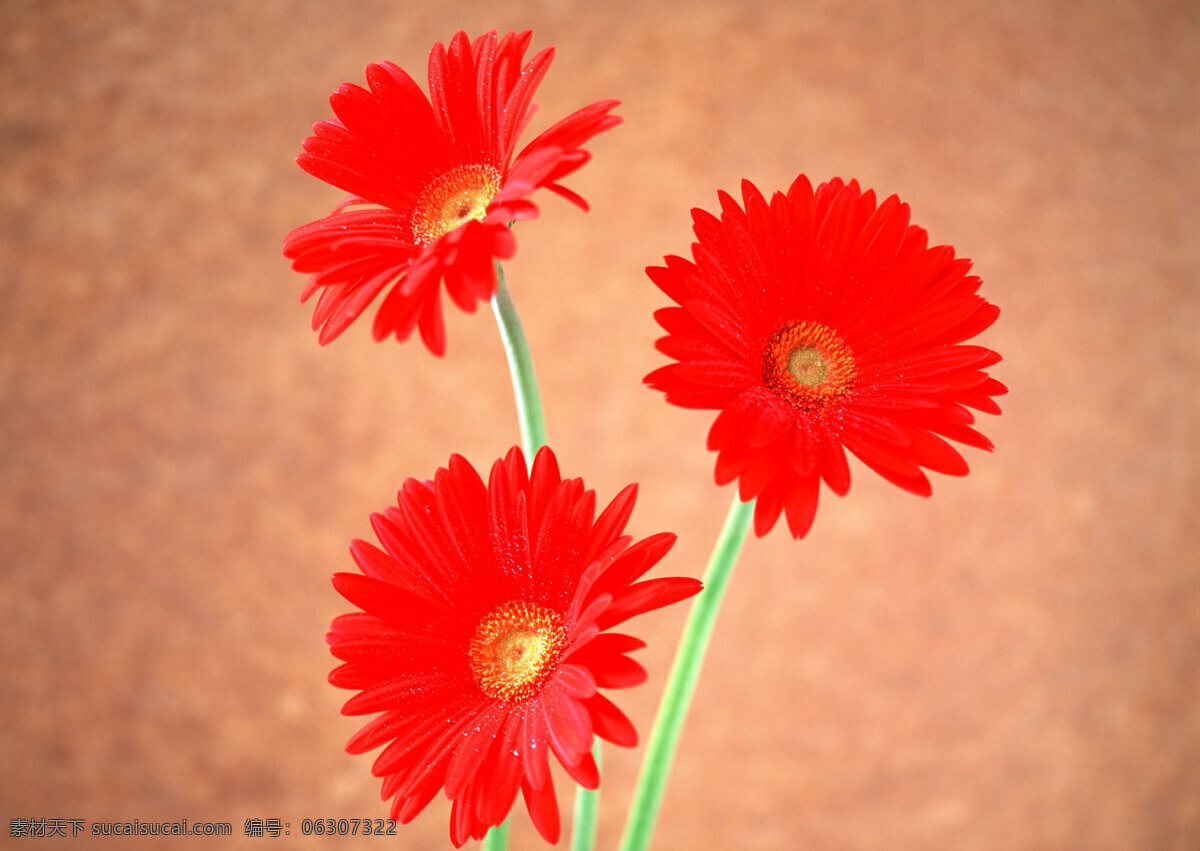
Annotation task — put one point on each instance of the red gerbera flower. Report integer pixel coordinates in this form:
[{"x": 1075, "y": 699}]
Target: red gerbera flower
[
  {"x": 819, "y": 322},
  {"x": 482, "y": 637},
  {"x": 442, "y": 181}
]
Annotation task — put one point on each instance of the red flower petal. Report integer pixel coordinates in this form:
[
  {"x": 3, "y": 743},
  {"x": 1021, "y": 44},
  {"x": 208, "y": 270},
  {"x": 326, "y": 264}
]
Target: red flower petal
[
  {"x": 543, "y": 809},
  {"x": 611, "y": 723}
]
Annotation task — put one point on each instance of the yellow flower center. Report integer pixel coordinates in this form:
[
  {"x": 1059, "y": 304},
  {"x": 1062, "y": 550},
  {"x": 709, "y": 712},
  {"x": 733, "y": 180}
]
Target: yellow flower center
[
  {"x": 808, "y": 364},
  {"x": 515, "y": 648},
  {"x": 452, "y": 199}
]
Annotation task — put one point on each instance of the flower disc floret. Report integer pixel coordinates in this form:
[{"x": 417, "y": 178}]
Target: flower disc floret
[
  {"x": 452, "y": 199},
  {"x": 515, "y": 648},
  {"x": 808, "y": 365}
]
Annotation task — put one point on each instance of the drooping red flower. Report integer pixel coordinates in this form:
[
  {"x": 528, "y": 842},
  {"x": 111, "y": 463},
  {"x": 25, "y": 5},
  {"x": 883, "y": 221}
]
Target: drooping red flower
[
  {"x": 819, "y": 322},
  {"x": 434, "y": 186},
  {"x": 483, "y": 637}
]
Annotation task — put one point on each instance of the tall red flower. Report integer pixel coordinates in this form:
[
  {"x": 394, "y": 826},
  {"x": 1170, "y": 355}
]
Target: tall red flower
[
  {"x": 483, "y": 637},
  {"x": 819, "y": 322},
  {"x": 439, "y": 182}
]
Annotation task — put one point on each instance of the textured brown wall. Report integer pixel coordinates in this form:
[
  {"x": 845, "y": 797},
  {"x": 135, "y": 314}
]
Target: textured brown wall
[{"x": 1011, "y": 664}]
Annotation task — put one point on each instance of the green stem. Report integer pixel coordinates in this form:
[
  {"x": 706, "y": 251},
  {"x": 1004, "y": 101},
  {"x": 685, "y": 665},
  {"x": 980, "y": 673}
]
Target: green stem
[
  {"x": 685, "y": 671},
  {"x": 583, "y": 833},
  {"x": 496, "y": 839},
  {"x": 533, "y": 436},
  {"x": 520, "y": 367}
]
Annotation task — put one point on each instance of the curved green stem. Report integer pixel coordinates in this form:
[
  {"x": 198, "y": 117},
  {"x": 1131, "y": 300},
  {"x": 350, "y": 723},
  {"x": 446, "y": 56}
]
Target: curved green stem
[
  {"x": 533, "y": 436},
  {"x": 583, "y": 833},
  {"x": 496, "y": 838},
  {"x": 520, "y": 367},
  {"x": 685, "y": 671}
]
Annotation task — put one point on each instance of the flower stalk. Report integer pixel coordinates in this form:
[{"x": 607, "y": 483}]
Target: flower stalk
[
  {"x": 583, "y": 832},
  {"x": 685, "y": 671},
  {"x": 520, "y": 367},
  {"x": 497, "y": 838},
  {"x": 533, "y": 436}
]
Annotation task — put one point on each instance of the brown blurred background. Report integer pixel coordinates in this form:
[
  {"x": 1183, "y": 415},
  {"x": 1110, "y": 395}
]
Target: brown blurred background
[{"x": 1012, "y": 664}]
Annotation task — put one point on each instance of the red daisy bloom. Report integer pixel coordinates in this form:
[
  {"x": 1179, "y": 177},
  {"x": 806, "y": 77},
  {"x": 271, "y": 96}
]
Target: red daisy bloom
[
  {"x": 819, "y": 322},
  {"x": 441, "y": 181},
  {"x": 482, "y": 637}
]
